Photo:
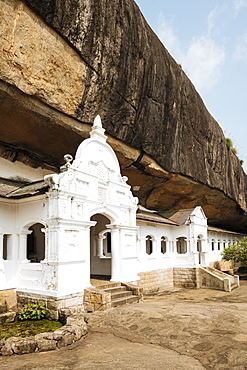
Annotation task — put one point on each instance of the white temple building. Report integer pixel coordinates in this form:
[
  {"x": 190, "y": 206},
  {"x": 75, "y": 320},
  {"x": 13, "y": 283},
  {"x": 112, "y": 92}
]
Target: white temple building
[{"x": 58, "y": 232}]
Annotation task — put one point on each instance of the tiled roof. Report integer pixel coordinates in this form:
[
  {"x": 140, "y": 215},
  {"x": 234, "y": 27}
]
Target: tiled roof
[
  {"x": 181, "y": 217},
  {"x": 19, "y": 189}
]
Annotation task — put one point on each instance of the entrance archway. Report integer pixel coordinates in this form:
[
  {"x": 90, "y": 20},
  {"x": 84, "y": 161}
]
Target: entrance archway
[{"x": 100, "y": 247}]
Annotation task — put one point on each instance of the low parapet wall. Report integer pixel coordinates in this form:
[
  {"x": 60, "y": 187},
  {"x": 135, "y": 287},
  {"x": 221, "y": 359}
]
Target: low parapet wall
[
  {"x": 74, "y": 329},
  {"x": 8, "y": 305},
  {"x": 227, "y": 266},
  {"x": 212, "y": 278},
  {"x": 69, "y": 305},
  {"x": 96, "y": 300}
]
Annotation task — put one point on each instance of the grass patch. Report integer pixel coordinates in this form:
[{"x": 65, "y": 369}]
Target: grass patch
[{"x": 27, "y": 328}]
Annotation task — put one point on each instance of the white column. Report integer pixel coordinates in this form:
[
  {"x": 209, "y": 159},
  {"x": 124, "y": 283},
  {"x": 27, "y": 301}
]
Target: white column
[
  {"x": 45, "y": 231},
  {"x": 155, "y": 246},
  {"x": 115, "y": 252},
  {"x": 1, "y": 253},
  {"x": 22, "y": 253},
  {"x": 2, "y": 273},
  {"x": 13, "y": 247},
  {"x": 100, "y": 248},
  {"x": 86, "y": 265},
  {"x": 174, "y": 246},
  {"x": 192, "y": 242}
]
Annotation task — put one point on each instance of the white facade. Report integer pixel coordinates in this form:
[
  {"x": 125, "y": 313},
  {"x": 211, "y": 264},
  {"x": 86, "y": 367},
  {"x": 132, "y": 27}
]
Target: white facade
[
  {"x": 86, "y": 224},
  {"x": 181, "y": 243}
]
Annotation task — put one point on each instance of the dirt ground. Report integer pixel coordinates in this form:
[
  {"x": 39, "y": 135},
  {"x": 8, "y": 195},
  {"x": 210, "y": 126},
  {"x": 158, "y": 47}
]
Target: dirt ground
[{"x": 177, "y": 329}]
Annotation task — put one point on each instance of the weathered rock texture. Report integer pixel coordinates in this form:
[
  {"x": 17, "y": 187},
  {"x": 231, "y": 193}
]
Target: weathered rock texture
[{"x": 103, "y": 58}]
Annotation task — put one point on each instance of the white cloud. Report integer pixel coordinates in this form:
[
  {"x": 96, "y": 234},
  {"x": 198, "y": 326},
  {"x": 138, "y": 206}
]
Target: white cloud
[
  {"x": 202, "y": 62},
  {"x": 201, "y": 59},
  {"x": 211, "y": 19},
  {"x": 241, "y": 48},
  {"x": 213, "y": 23},
  {"x": 168, "y": 37},
  {"x": 238, "y": 5}
]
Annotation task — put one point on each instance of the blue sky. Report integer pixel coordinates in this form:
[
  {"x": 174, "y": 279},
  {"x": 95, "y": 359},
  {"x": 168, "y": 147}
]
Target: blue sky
[{"x": 209, "y": 39}]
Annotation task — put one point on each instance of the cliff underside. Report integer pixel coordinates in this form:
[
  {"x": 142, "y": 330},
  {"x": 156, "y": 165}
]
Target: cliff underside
[{"x": 63, "y": 62}]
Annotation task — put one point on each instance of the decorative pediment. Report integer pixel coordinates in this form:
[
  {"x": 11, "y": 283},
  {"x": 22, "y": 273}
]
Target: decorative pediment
[
  {"x": 100, "y": 170},
  {"x": 95, "y": 156}
]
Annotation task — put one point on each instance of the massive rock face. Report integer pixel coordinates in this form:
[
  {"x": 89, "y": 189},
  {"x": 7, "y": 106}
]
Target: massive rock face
[{"x": 64, "y": 61}]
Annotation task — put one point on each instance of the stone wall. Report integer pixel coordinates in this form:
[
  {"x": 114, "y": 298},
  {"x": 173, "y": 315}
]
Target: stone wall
[
  {"x": 227, "y": 266},
  {"x": 55, "y": 307},
  {"x": 185, "y": 277},
  {"x": 153, "y": 281},
  {"x": 96, "y": 300},
  {"x": 8, "y": 305}
]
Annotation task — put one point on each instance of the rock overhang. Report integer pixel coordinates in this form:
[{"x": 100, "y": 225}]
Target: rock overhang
[{"x": 167, "y": 143}]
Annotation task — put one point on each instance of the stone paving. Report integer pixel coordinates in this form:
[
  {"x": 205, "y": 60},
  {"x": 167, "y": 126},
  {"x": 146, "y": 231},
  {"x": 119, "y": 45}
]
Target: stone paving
[{"x": 177, "y": 329}]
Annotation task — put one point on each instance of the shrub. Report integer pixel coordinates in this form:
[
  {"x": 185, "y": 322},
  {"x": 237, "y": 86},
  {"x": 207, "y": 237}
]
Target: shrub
[
  {"x": 32, "y": 311},
  {"x": 228, "y": 143},
  {"x": 236, "y": 252}
]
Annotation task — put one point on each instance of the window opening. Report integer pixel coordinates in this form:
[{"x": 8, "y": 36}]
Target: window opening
[
  {"x": 36, "y": 243},
  {"x": 107, "y": 244},
  {"x": 5, "y": 246},
  {"x": 163, "y": 244},
  {"x": 149, "y": 245},
  {"x": 181, "y": 245},
  {"x": 199, "y": 244}
]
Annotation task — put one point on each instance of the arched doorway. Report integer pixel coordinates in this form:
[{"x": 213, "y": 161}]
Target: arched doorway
[
  {"x": 100, "y": 247},
  {"x": 36, "y": 243}
]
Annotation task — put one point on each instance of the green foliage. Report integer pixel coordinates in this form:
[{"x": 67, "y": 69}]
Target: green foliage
[
  {"x": 241, "y": 162},
  {"x": 236, "y": 252},
  {"x": 32, "y": 311},
  {"x": 229, "y": 143},
  {"x": 27, "y": 328}
]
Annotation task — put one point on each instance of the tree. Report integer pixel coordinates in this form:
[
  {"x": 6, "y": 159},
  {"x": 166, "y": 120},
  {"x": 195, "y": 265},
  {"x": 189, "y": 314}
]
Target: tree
[{"x": 236, "y": 252}]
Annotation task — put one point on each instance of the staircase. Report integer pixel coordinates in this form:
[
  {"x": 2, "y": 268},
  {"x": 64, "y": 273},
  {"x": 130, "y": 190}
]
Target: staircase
[
  {"x": 119, "y": 294},
  {"x": 213, "y": 278}
]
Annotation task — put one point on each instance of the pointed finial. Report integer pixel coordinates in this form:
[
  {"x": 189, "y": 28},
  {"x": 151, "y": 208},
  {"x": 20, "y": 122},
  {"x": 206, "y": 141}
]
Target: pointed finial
[
  {"x": 97, "y": 121},
  {"x": 97, "y": 130}
]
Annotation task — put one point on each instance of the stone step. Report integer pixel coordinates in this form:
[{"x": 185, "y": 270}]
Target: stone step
[
  {"x": 108, "y": 286},
  {"x": 121, "y": 294},
  {"x": 126, "y": 300},
  {"x": 234, "y": 286},
  {"x": 116, "y": 289}
]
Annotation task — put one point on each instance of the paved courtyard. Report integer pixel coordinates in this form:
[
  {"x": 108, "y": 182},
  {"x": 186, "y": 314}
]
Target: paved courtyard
[{"x": 178, "y": 329}]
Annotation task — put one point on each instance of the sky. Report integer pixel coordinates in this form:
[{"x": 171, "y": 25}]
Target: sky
[{"x": 209, "y": 39}]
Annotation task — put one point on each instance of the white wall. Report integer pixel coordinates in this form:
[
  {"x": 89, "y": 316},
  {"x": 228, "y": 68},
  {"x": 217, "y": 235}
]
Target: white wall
[{"x": 19, "y": 171}]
